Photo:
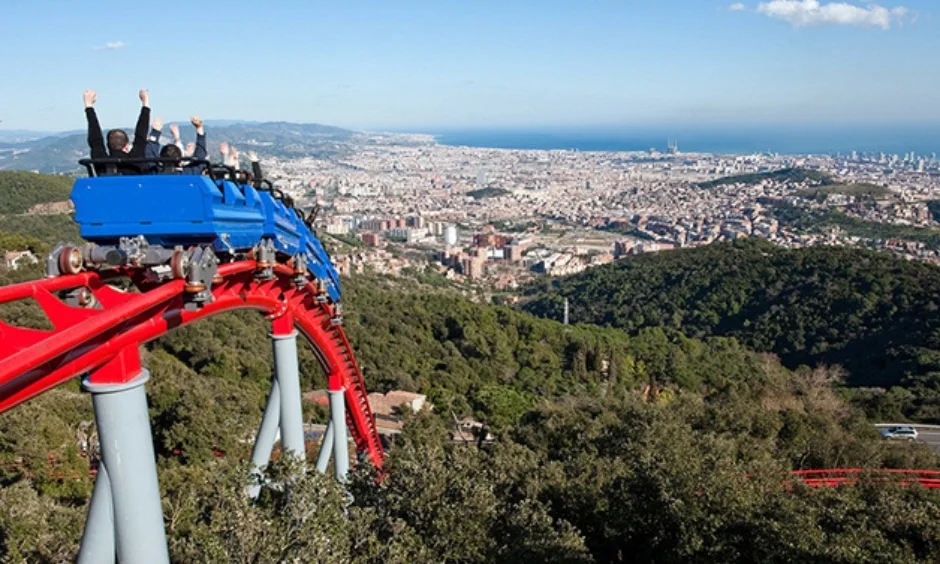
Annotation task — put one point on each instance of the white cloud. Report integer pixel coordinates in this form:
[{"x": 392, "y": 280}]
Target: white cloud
[
  {"x": 811, "y": 12},
  {"x": 736, "y": 7},
  {"x": 111, "y": 46}
]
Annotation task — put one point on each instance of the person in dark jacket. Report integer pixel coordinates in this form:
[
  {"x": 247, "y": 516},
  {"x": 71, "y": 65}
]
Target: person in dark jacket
[
  {"x": 119, "y": 145},
  {"x": 174, "y": 151},
  {"x": 153, "y": 145}
]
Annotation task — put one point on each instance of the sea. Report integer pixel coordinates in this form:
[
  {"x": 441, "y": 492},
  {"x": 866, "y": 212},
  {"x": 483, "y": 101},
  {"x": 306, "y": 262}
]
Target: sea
[{"x": 923, "y": 139}]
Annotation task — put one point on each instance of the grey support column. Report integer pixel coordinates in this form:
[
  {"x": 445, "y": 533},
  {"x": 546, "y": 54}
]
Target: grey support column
[
  {"x": 340, "y": 445},
  {"x": 127, "y": 452},
  {"x": 326, "y": 449},
  {"x": 267, "y": 434},
  {"x": 287, "y": 373},
  {"x": 98, "y": 540}
]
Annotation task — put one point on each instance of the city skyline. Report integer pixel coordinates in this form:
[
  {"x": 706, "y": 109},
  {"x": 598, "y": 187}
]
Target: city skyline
[{"x": 423, "y": 66}]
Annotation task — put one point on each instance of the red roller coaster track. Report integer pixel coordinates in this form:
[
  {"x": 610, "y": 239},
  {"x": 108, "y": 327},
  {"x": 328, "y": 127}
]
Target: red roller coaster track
[
  {"x": 86, "y": 337},
  {"x": 833, "y": 477}
]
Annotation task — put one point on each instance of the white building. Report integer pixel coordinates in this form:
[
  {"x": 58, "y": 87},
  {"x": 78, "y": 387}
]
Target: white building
[
  {"x": 450, "y": 235},
  {"x": 16, "y": 259}
]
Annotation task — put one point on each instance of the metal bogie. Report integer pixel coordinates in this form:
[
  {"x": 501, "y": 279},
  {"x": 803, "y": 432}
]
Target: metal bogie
[
  {"x": 337, "y": 318},
  {"x": 202, "y": 268},
  {"x": 134, "y": 249},
  {"x": 299, "y": 264},
  {"x": 265, "y": 255},
  {"x": 320, "y": 294}
]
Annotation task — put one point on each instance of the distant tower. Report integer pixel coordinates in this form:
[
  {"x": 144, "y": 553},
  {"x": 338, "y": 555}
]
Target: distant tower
[
  {"x": 566, "y": 311},
  {"x": 672, "y": 147},
  {"x": 450, "y": 235}
]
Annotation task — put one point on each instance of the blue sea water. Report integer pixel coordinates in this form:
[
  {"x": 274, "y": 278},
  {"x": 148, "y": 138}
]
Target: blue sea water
[{"x": 923, "y": 139}]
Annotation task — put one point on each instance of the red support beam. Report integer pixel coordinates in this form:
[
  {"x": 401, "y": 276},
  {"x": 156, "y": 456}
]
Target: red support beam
[
  {"x": 85, "y": 339},
  {"x": 119, "y": 369},
  {"x": 282, "y": 325}
]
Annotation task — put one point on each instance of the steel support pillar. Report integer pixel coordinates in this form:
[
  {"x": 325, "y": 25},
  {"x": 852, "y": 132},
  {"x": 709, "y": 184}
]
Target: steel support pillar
[
  {"x": 127, "y": 452},
  {"x": 98, "y": 540},
  {"x": 326, "y": 449},
  {"x": 287, "y": 374},
  {"x": 340, "y": 444},
  {"x": 267, "y": 435}
]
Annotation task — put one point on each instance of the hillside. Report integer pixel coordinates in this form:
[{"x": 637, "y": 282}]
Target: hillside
[
  {"x": 489, "y": 192},
  {"x": 21, "y": 191},
  {"x": 864, "y": 190},
  {"x": 821, "y": 220},
  {"x": 584, "y": 468},
  {"x": 61, "y": 152},
  {"x": 784, "y": 175},
  {"x": 871, "y": 313}
]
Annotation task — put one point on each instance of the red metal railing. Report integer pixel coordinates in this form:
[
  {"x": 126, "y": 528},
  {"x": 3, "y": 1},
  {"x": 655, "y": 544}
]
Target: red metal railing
[{"x": 833, "y": 477}]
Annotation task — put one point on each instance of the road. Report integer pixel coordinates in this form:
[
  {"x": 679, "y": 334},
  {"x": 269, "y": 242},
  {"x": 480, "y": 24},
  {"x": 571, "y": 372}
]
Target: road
[{"x": 929, "y": 434}]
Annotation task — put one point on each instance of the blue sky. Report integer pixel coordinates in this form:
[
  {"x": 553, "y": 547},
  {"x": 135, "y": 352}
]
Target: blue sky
[{"x": 435, "y": 64}]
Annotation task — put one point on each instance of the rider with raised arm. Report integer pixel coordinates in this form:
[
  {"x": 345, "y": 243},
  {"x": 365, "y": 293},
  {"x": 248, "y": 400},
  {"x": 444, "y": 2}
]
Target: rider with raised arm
[
  {"x": 118, "y": 144},
  {"x": 173, "y": 151},
  {"x": 177, "y": 140}
]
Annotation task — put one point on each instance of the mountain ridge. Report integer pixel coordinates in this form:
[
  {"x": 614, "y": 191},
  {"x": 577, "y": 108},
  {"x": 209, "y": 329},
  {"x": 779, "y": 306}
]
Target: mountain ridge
[{"x": 60, "y": 152}]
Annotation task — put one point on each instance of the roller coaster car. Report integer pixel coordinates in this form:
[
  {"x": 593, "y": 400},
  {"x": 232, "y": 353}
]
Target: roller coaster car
[{"x": 171, "y": 221}]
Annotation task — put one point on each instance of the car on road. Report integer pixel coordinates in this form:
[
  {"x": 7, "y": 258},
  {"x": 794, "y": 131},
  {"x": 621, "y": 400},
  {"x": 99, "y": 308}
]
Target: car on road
[{"x": 902, "y": 432}]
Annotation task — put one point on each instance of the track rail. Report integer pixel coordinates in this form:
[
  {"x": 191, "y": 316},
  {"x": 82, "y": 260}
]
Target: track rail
[
  {"x": 850, "y": 476},
  {"x": 83, "y": 338}
]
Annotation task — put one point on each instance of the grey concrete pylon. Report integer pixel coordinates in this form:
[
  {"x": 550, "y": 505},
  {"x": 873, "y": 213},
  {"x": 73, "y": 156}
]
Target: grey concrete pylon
[
  {"x": 127, "y": 451},
  {"x": 267, "y": 434},
  {"x": 287, "y": 373},
  {"x": 340, "y": 445},
  {"x": 326, "y": 449},
  {"x": 98, "y": 539}
]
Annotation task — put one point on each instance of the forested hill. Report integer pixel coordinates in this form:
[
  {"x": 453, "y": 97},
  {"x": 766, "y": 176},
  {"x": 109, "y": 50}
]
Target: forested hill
[
  {"x": 22, "y": 191},
  {"x": 874, "y": 314},
  {"x": 585, "y": 469},
  {"x": 785, "y": 175}
]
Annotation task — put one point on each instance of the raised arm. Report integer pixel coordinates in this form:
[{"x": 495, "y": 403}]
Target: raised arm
[
  {"x": 229, "y": 159},
  {"x": 95, "y": 137},
  {"x": 201, "y": 152},
  {"x": 143, "y": 121},
  {"x": 177, "y": 140}
]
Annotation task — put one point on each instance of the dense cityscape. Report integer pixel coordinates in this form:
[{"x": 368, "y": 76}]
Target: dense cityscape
[{"x": 502, "y": 216}]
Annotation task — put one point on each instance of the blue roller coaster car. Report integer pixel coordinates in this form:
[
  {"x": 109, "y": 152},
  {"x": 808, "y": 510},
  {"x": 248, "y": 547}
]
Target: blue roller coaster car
[{"x": 190, "y": 210}]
